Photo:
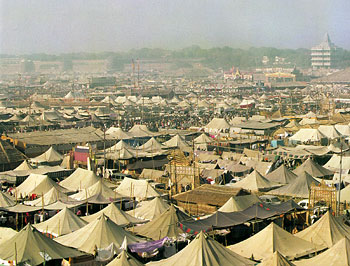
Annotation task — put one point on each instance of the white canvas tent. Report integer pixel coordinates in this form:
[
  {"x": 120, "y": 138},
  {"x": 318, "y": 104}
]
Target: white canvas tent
[
  {"x": 177, "y": 142},
  {"x": 338, "y": 255},
  {"x": 308, "y": 134},
  {"x": 329, "y": 131},
  {"x": 239, "y": 203},
  {"x": 203, "y": 250},
  {"x": 217, "y": 125},
  {"x": 50, "y": 156},
  {"x": 325, "y": 232},
  {"x": 62, "y": 223},
  {"x": 100, "y": 233},
  {"x": 32, "y": 247},
  {"x": 140, "y": 189},
  {"x": 149, "y": 210},
  {"x": 299, "y": 188},
  {"x": 80, "y": 179},
  {"x": 116, "y": 215},
  {"x": 255, "y": 182},
  {"x": 277, "y": 259},
  {"x": 39, "y": 185},
  {"x": 273, "y": 238}
]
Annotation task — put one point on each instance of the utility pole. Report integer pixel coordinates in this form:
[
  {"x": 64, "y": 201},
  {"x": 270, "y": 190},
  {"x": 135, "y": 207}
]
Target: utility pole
[
  {"x": 138, "y": 73},
  {"x": 133, "y": 72},
  {"x": 340, "y": 172},
  {"x": 104, "y": 150}
]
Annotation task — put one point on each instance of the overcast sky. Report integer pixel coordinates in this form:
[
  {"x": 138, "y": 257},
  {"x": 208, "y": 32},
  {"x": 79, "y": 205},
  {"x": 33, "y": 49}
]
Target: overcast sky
[{"x": 59, "y": 26}]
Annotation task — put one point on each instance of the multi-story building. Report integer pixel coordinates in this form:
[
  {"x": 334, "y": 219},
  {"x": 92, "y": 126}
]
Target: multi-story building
[{"x": 323, "y": 56}]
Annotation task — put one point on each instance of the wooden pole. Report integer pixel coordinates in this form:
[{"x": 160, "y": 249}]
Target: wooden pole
[
  {"x": 87, "y": 203},
  {"x": 16, "y": 254}
]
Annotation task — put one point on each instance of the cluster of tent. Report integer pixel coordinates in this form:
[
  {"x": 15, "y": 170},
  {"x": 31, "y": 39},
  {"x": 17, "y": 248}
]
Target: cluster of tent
[
  {"x": 76, "y": 236},
  {"x": 151, "y": 148},
  {"x": 81, "y": 187}
]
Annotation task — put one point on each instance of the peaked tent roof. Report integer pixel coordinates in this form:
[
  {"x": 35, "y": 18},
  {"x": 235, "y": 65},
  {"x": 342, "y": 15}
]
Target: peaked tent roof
[
  {"x": 15, "y": 118},
  {"x": 31, "y": 246},
  {"x": 118, "y": 133},
  {"x": 277, "y": 259},
  {"x": 140, "y": 131},
  {"x": 276, "y": 114},
  {"x": 152, "y": 145},
  {"x": 6, "y": 233},
  {"x": 343, "y": 129},
  {"x": 38, "y": 184},
  {"x": 100, "y": 233},
  {"x": 293, "y": 124},
  {"x": 312, "y": 168},
  {"x": 50, "y": 197},
  {"x": 98, "y": 193},
  {"x": 167, "y": 224},
  {"x": 115, "y": 214},
  {"x": 125, "y": 259},
  {"x": 140, "y": 189},
  {"x": 80, "y": 179},
  {"x": 339, "y": 254},
  {"x": 174, "y": 100},
  {"x": 29, "y": 119},
  {"x": 62, "y": 223},
  {"x": 299, "y": 188},
  {"x": 69, "y": 95},
  {"x": 282, "y": 175},
  {"x": 218, "y": 123},
  {"x": 239, "y": 203},
  {"x": 325, "y": 232},
  {"x": 122, "y": 154},
  {"x": 203, "y": 139},
  {"x": 203, "y": 250},
  {"x": 308, "y": 134},
  {"x": 23, "y": 166},
  {"x": 150, "y": 210},
  {"x": 178, "y": 142},
  {"x": 273, "y": 238},
  {"x": 119, "y": 146},
  {"x": 255, "y": 182},
  {"x": 6, "y": 200},
  {"x": 329, "y": 131},
  {"x": 51, "y": 155}
]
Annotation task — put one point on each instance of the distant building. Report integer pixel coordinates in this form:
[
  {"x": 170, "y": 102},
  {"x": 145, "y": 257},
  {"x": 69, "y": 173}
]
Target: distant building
[
  {"x": 280, "y": 61},
  {"x": 323, "y": 56},
  {"x": 265, "y": 60},
  {"x": 27, "y": 66},
  {"x": 237, "y": 75},
  {"x": 280, "y": 77},
  {"x": 102, "y": 82}
]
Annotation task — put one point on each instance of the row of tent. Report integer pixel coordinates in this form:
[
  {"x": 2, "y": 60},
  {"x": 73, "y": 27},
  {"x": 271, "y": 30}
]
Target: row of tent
[
  {"x": 85, "y": 186},
  {"x": 282, "y": 181},
  {"x": 270, "y": 243}
]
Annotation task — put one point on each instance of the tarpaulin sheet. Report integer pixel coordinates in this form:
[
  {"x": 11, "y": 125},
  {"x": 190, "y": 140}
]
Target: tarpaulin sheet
[
  {"x": 147, "y": 246},
  {"x": 220, "y": 220}
]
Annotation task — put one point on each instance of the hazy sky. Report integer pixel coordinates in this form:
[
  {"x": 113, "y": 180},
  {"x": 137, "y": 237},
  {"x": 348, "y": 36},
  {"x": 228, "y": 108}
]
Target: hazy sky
[{"x": 58, "y": 26}]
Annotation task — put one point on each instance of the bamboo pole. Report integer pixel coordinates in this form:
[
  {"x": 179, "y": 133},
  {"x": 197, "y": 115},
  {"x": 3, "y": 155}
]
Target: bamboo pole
[
  {"x": 59, "y": 225},
  {"x": 87, "y": 203},
  {"x": 16, "y": 254}
]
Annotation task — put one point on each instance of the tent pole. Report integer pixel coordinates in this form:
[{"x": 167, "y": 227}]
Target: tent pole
[
  {"x": 16, "y": 254},
  {"x": 340, "y": 172}
]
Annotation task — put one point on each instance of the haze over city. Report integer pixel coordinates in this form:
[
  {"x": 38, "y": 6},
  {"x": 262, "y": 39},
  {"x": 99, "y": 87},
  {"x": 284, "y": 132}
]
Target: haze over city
[{"x": 92, "y": 26}]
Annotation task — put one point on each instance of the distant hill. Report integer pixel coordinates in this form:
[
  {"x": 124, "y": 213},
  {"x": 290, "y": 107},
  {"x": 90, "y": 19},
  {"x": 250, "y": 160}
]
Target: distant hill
[{"x": 214, "y": 58}]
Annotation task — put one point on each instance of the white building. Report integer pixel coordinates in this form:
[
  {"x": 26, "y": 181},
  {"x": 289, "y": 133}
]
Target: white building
[{"x": 324, "y": 55}]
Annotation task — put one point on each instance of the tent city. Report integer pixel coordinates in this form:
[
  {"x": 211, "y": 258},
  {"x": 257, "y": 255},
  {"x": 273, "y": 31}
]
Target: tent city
[{"x": 174, "y": 133}]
